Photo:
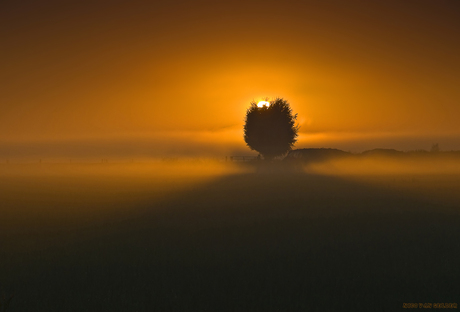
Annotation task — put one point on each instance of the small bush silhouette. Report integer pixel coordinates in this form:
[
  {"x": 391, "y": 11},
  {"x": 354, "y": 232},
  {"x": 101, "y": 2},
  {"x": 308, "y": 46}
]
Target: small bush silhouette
[
  {"x": 271, "y": 129},
  {"x": 435, "y": 148}
]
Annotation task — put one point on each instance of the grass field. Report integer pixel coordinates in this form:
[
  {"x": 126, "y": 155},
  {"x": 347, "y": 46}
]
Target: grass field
[{"x": 225, "y": 237}]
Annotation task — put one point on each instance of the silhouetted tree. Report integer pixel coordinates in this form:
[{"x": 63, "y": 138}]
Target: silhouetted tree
[{"x": 271, "y": 130}]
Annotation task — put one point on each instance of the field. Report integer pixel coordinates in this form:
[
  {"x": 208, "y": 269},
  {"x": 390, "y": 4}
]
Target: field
[{"x": 203, "y": 236}]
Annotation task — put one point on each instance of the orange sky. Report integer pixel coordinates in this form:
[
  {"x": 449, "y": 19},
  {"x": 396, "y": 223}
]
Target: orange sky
[{"x": 181, "y": 74}]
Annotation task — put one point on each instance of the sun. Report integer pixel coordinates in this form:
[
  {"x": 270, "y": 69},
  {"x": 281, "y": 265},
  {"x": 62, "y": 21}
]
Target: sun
[{"x": 263, "y": 103}]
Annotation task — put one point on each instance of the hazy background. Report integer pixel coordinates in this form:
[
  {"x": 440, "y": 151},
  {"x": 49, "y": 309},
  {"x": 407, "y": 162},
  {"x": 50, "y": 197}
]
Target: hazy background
[{"x": 151, "y": 78}]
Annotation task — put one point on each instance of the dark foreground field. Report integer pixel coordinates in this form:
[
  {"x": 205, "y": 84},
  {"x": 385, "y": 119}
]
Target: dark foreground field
[{"x": 111, "y": 239}]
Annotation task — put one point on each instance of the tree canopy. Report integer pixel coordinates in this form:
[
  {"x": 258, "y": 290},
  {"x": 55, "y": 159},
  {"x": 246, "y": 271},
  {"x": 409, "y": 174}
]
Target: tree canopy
[{"x": 271, "y": 129}]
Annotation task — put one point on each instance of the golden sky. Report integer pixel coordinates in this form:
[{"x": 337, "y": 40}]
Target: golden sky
[{"x": 179, "y": 75}]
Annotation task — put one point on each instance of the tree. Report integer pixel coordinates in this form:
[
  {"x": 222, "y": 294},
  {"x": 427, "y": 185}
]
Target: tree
[{"x": 271, "y": 129}]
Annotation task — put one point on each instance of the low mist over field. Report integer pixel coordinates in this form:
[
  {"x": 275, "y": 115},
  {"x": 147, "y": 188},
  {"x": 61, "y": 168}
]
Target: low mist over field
[
  {"x": 200, "y": 235},
  {"x": 380, "y": 163},
  {"x": 60, "y": 193}
]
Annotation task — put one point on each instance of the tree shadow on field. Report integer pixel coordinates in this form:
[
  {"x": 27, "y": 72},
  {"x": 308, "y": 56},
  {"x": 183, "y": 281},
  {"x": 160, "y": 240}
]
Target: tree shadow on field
[{"x": 258, "y": 242}]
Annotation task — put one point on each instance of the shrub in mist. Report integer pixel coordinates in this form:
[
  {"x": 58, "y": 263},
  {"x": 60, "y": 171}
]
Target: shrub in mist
[{"x": 271, "y": 129}]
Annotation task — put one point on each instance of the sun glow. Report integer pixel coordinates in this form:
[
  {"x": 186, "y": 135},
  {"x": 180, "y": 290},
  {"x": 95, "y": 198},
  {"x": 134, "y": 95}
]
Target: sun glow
[{"x": 263, "y": 103}]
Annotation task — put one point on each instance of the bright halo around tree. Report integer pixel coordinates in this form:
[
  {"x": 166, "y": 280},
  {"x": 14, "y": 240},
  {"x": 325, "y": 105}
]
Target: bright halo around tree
[{"x": 263, "y": 103}]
